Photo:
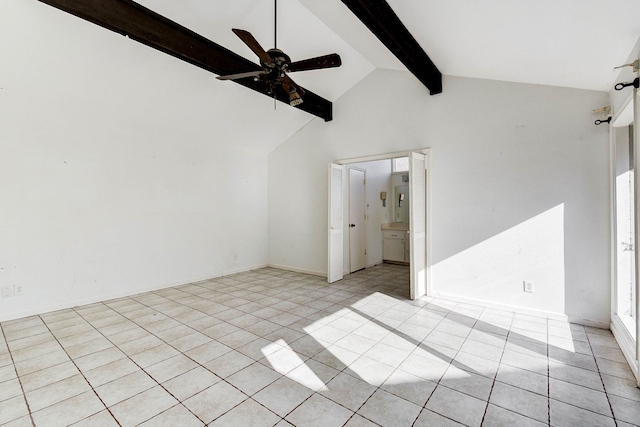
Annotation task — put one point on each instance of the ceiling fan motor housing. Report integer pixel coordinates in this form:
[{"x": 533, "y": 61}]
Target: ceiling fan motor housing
[
  {"x": 280, "y": 62},
  {"x": 276, "y": 69},
  {"x": 279, "y": 57}
]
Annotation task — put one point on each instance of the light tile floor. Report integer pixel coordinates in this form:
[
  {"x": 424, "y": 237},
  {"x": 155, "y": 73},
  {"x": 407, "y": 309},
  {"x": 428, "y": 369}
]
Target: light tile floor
[{"x": 271, "y": 347}]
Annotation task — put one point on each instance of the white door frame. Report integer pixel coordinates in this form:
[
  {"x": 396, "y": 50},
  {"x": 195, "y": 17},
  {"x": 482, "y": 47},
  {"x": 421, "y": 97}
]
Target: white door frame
[
  {"x": 621, "y": 118},
  {"x": 427, "y": 153}
]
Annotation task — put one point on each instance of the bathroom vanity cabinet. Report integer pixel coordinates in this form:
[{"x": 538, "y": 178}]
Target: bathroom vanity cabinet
[{"x": 395, "y": 243}]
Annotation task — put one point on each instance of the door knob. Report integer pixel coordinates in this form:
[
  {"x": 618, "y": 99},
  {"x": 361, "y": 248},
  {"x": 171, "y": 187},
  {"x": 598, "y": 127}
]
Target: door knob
[{"x": 352, "y": 225}]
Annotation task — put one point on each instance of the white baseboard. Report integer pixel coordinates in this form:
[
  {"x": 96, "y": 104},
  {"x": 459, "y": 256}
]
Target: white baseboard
[
  {"x": 524, "y": 310},
  {"x": 122, "y": 294},
  {"x": 238, "y": 270},
  {"x": 589, "y": 322},
  {"x": 347, "y": 272},
  {"x": 298, "y": 270},
  {"x": 500, "y": 306}
]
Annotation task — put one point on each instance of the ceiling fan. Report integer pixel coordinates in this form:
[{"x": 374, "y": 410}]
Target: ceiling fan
[
  {"x": 276, "y": 64},
  {"x": 145, "y": 26}
]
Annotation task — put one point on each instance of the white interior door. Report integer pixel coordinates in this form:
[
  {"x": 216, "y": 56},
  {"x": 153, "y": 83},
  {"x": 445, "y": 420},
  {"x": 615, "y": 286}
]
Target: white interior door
[
  {"x": 357, "y": 244},
  {"x": 417, "y": 224},
  {"x": 335, "y": 267}
]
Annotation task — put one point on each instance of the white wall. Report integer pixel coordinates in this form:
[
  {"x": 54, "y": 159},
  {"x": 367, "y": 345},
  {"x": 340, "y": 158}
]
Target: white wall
[
  {"x": 519, "y": 186},
  {"x": 114, "y": 177}
]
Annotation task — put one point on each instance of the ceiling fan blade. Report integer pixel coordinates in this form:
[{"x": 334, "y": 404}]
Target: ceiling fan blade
[
  {"x": 253, "y": 44},
  {"x": 241, "y": 75},
  {"x": 326, "y": 61}
]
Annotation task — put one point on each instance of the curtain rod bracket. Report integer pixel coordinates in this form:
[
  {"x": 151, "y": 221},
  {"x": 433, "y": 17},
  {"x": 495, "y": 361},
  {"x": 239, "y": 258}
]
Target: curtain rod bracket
[
  {"x": 635, "y": 64},
  {"x": 607, "y": 120}
]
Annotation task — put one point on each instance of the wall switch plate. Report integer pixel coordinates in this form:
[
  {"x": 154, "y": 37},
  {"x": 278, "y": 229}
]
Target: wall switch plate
[
  {"x": 528, "y": 286},
  {"x": 7, "y": 291},
  {"x": 18, "y": 290}
]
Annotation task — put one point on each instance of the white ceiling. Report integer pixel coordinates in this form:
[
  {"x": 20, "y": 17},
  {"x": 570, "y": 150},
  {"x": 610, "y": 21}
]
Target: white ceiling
[
  {"x": 300, "y": 34},
  {"x": 570, "y": 43}
]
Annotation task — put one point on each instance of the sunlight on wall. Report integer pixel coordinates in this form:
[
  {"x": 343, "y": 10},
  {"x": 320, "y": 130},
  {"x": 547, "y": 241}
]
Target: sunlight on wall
[{"x": 495, "y": 269}]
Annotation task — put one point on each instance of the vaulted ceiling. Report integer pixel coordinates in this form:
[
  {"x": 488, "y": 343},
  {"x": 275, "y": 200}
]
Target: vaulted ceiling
[{"x": 570, "y": 43}]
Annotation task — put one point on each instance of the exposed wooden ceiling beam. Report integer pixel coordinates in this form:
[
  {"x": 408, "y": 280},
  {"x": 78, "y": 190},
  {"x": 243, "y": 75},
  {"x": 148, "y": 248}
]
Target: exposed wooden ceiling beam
[
  {"x": 378, "y": 16},
  {"x": 145, "y": 26}
]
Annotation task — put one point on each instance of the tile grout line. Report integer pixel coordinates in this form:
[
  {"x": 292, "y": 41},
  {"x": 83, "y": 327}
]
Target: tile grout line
[
  {"x": 343, "y": 371},
  {"x": 186, "y": 299},
  {"x": 81, "y": 373},
  {"x": 213, "y": 339},
  {"x": 15, "y": 369},
  {"x": 283, "y": 375},
  {"x": 524, "y": 389},
  {"x": 143, "y": 370},
  {"x": 196, "y": 362},
  {"x": 424, "y": 407},
  {"x": 579, "y": 385},
  {"x": 339, "y": 372},
  {"x": 128, "y": 319},
  {"x": 395, "y": 368},
  {"x": 493, "y": 383},
  {"x": 595, "y": 359},
  {"x": 376, "y": 387}
]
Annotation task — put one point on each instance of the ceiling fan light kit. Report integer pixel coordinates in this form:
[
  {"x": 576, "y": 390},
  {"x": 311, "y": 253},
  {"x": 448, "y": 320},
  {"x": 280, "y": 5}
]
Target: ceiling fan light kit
[{"x": 294, "y": 98}]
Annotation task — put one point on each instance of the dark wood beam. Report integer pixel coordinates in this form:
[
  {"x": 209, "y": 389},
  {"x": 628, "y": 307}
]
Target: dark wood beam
[
  {"x": 378, "y": 16},
  {"x": 145, "y": 26}
]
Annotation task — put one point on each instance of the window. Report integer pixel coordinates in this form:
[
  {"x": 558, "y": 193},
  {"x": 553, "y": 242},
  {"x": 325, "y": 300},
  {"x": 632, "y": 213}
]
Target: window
[{"x": 625, "y": 238}]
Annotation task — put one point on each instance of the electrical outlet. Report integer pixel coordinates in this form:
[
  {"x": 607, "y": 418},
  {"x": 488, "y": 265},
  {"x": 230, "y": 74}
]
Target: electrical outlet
[
  {"x": 18, "y": 290},
  {"x": 7, "y": 291},
  {"x": 528, "y": 286}
]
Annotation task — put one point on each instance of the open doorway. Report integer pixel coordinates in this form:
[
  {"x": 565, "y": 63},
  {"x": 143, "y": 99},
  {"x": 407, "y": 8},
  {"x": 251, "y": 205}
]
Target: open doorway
[{"x": 395, "y": 217}]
